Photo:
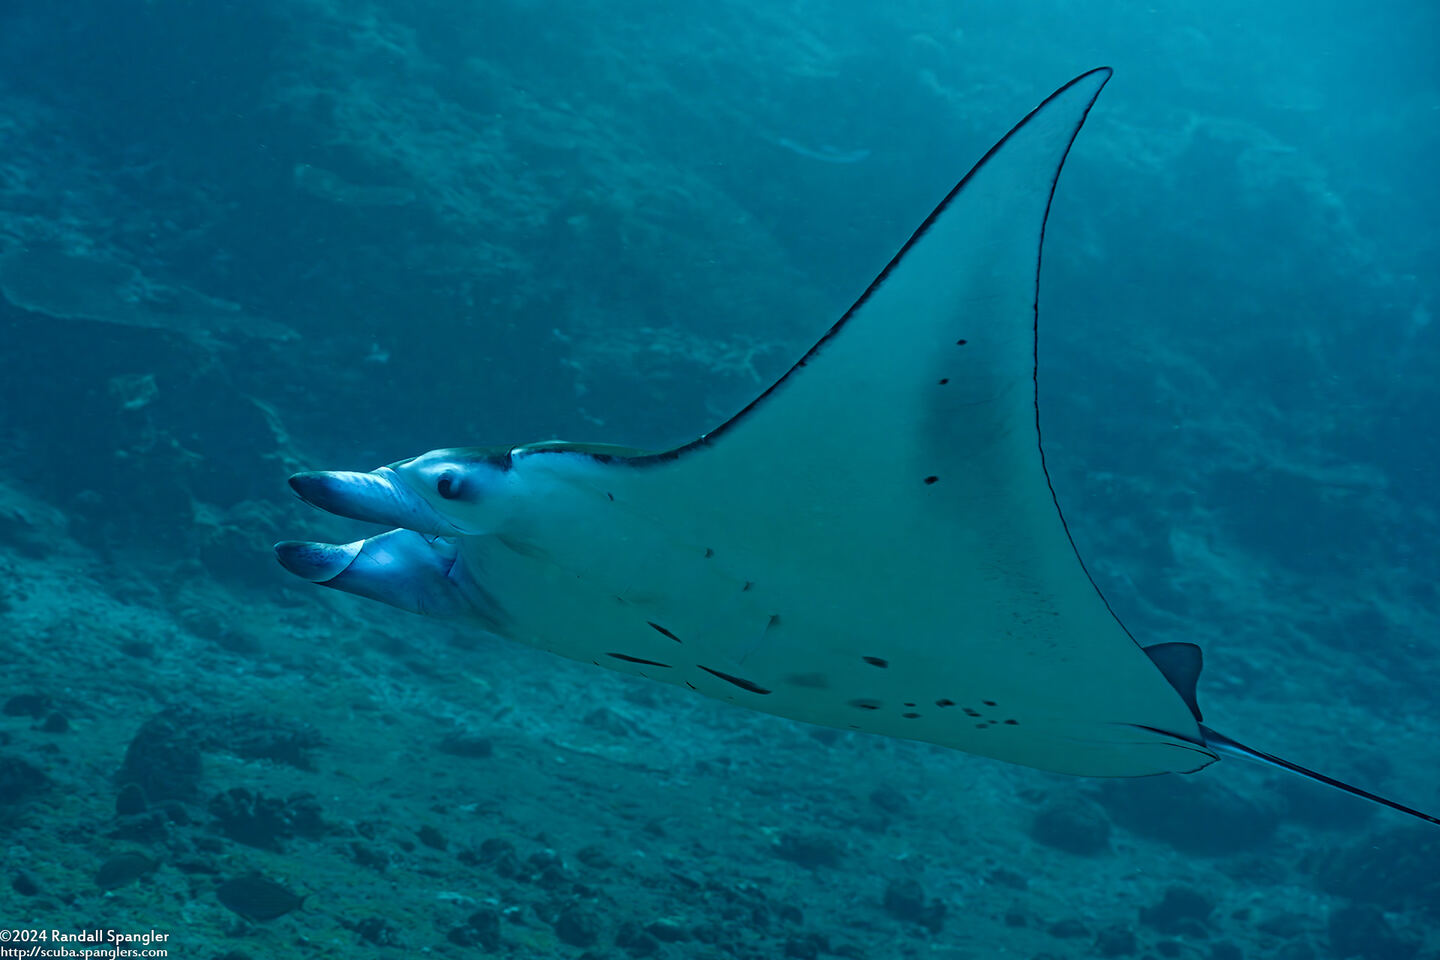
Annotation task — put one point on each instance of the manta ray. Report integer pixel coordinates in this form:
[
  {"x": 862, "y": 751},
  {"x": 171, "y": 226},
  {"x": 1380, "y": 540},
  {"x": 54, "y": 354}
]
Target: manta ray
[{"x": 872, "y": 544}]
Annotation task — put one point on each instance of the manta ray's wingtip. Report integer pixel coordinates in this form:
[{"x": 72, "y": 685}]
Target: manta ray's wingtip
[{"x": 1097, "y": 75}]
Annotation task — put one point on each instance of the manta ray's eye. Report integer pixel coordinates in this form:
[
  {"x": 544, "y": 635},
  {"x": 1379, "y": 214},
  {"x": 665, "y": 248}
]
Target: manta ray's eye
[{"x": 448, "y": 485}]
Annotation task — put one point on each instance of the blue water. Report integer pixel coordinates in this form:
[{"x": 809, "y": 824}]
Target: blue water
[{"x": 239, "y": 239}]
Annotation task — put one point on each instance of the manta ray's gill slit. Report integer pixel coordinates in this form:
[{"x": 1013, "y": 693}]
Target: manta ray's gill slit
[
  {"x": 740, "y": 682},
  {"x": 876, "y": 661},
  {"x": 660, "y": 629},
  {"x": 629, "y": 659}
]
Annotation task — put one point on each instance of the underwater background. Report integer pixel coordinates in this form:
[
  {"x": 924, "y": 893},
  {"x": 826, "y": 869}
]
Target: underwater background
[{"x": 240, "y": 239}]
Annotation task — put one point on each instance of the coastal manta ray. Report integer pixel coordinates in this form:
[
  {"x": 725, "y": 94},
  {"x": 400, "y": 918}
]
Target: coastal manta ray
[{"x": 872, "y": 544}]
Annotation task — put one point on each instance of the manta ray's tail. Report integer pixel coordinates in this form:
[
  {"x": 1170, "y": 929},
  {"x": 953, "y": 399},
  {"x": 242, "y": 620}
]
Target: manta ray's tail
[{"x": 1222, "y": 744}]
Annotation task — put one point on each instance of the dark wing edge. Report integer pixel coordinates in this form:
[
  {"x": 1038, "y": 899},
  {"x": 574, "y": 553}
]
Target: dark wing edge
[{"x": 1102, "y": 74}]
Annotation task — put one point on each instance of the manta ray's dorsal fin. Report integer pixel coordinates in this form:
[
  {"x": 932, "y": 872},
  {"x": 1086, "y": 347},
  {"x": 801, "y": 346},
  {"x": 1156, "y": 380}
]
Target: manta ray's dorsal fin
[{"x": 1181, "y": 664}]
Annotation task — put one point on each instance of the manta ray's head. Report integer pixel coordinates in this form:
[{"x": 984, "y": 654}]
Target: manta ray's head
[
  {"x": 449, "y": 492},
  {"x": 462, "y": 486}
]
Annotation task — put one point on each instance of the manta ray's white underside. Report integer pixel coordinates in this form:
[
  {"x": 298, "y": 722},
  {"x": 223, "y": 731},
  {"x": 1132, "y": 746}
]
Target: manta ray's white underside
[{"x": 872, "y": 544}]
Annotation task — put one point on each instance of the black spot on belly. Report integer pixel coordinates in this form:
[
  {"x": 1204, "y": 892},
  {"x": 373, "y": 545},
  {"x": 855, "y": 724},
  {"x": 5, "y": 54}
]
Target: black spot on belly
[
  {"x": 930, "y": 480},
  {"x": 910, "y": 716},
  {"x": 971, "y": 712},
  {"x": 988, "y": 703},
  {"x": 944, "y": 703},
  {"x": 629, "y": 659},
  {"x": 909, "y": 704},
  {"x": 660, "y": 629},
  {"x": 1012, "y": 723},
  {"x": 747, "y": 586},
  {"x": 876, "y": 661},
  {"x": 611, "y": 496},
  {"x": 961, "y": 343},
  {"x": 865, "y": 704},
  {"x": 740, "y": 682},
  {"x": 709, "y": 553},
  {"x": 944, "y": 380}
]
